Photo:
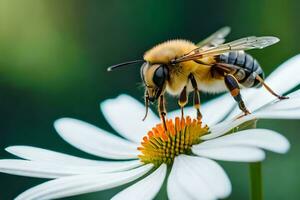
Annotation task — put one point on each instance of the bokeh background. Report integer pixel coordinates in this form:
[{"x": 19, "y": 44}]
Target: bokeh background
[{"x": 54, "y": 55}]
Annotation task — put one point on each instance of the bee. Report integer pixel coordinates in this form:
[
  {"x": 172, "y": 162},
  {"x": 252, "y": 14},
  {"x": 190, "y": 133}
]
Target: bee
[{"x": 179, "y": 67}]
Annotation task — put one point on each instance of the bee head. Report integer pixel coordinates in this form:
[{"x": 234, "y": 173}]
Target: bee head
[{"x": 154, "y": 77}]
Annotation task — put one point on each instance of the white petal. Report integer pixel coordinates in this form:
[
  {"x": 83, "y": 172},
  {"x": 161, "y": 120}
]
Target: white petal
[
  {"x": 285, "y": 109},
  {"x": 231, "y": 153},
  {"x": 147, "y": 188},
  {"x": 31, "y": 169},
  {"x": 125, "y": 115},
  {"x": 189, "y": 183},
  {"x": 196, "y": 169},
  {"x": 286, "y": 104},
  {"x": 44, "y": 155},
  {"x": 80, "y": 184},
  {"x": 283, "y": 79},
  {"x": 262, "y": 138},
  {"x": 213, "y": 111},
  {"x": 93, "y": 140},
  {"x": 283, "y": 105},
  {"x": 174, "y": 189},
  {"x": 55, "y": 169},
  {"x": 225, "y": 126},
  {"x": 278, "y": 114}
]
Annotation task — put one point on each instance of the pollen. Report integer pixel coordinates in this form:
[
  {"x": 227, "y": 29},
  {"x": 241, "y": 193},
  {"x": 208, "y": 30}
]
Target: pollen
[{"x": 162, "y": 146}]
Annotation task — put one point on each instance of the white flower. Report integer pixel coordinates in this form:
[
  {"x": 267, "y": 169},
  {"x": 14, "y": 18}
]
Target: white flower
[{"x": 194, "y": 175}]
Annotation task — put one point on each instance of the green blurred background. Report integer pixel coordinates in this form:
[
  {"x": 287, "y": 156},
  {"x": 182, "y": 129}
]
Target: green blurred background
[{"x": 54, "y": 55}]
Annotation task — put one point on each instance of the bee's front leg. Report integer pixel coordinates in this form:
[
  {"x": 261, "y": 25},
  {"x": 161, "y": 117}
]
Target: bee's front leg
[
  {"x": 196, "y": 96},
  {"x": 183, "y": 99},
  {"x": 233, "y": 86},
  {"x": 162, "y": 110}
]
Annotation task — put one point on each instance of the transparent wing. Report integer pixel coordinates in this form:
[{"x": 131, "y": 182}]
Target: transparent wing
[
  {"x": 246, "y": 43},
  {"x": 216, "y": 38}
]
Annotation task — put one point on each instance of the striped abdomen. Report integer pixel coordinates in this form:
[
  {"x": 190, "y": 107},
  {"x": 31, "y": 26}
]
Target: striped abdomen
[{"x": 249, "y": 67}]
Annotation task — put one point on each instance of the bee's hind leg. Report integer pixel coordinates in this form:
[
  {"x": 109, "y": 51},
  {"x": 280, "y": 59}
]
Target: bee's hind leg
[
  {"x": 261, "y": 80},
  {"x": 196, "y": 96},
  {"x": 182, "y": 100},
  {"x": 233, "y": 86},
  {"x": 162, "y": 110}
]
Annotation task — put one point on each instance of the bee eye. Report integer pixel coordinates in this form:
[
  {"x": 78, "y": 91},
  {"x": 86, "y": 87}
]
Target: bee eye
[{"x": 160, "y": 75}]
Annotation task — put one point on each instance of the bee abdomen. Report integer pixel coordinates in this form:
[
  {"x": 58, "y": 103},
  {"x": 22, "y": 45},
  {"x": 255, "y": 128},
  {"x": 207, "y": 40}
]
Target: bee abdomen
[{"x": 249, "y": 67}]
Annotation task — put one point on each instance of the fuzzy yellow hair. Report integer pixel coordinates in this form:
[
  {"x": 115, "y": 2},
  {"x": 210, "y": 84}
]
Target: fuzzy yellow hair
[{"x": 163, "y": 53}]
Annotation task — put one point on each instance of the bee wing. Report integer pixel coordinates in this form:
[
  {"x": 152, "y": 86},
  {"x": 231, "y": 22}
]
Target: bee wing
[
  {"x": 246, "y": 43},
  {"x": 216, "y": 38}
]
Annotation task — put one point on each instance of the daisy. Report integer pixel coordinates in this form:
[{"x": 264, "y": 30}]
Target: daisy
[{"x": 144, "y": 152}]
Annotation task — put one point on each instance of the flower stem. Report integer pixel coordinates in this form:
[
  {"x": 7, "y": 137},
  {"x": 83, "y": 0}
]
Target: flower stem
[{"x": 256, "y": 181}]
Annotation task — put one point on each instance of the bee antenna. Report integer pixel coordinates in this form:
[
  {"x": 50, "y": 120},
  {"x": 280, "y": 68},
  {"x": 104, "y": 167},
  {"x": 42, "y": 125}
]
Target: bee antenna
[{"x": 123, "y": 64}]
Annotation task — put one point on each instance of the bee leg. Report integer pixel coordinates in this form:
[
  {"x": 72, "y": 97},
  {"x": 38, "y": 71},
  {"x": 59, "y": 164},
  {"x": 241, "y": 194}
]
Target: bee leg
[
  {"x": 162, "y": 110},
  {"x": 261, "y": 80},
  {"x": 233, "y": 86},
  {"x": 196, "y": 96},
  {"x": 146, "y": 99},
  {"x": 183, "y": 99}
]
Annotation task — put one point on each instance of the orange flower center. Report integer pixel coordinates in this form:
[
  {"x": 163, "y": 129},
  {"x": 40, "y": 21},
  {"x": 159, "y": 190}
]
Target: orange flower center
[{"x": 160, "y": 146}]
